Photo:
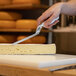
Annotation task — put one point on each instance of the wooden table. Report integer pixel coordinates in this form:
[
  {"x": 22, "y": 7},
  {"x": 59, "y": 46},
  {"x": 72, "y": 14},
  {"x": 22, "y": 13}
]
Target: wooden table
[
  {"x": 10, "y": 70},
  {"x": 36, "y": 65}
]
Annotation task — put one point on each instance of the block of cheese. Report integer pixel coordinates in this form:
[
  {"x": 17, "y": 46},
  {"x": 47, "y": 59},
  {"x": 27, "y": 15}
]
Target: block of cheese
[
  {"x": 9, "y": 15},
  {"x": 7, "y": 38},
  {"x": 5, "y": 2},
  {"x": 26, "y": 1},
  {"x": 26, "y": 24},
  {"x": 36, "y": 39},
  {"x": 4, "y": 24},
  {"x": 27, "y": 49}
]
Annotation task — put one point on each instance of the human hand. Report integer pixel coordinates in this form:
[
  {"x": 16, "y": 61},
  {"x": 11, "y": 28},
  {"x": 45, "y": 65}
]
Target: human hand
[{"x": 49, "y": 15}]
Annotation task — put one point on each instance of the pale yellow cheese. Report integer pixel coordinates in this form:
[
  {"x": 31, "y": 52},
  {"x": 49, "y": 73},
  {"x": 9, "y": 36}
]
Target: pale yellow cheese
[
  {"x": 4, "y": 24},
  {"x": 26, "y": 1},
  {"x": 9, "y": 15},
  {"x": 7, "y": 38},
  {"x": 26, "y": 24},
  {"x": 5, "y": 2},
  {"x": 36, "y": 39},
  {"x": 28, "y": 49}
]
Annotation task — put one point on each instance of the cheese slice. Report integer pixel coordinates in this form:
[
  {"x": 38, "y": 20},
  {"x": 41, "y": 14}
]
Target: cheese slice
[
  {"x": 34, "y": 40},
  {"x": 9, "y": 15},
  {"x": 26, "y": 1},
  {"x": 26, "y": 24},
  {"x": 5, "y": 2},
  {"x": 27, "y": 49},
  {"x": 5, "y": 24}
]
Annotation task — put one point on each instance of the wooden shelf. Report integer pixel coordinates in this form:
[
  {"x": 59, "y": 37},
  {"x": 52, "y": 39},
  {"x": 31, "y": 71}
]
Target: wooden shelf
[
  {"x": 66, "y": 29},
  {"x": 23, "y": 30},
  {"x": 23, "y": 6}
]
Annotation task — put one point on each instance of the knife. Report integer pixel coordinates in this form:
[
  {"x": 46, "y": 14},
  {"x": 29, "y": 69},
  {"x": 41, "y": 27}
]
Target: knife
[
  {"x": 36, "y": 33},
  {"x": 63, "y": 68}
]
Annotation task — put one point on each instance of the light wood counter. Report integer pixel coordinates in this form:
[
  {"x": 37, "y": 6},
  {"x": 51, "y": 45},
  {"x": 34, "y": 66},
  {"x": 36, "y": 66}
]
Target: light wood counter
[{"x": 9, "y": 70}]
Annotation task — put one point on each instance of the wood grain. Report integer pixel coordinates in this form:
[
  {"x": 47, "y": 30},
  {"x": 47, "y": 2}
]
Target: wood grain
[{"x": 9, "y": 70}]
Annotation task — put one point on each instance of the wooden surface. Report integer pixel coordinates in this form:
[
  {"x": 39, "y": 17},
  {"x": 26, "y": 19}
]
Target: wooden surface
[
  {"x": 66, "y": 29},
  {"x": 23, "y": 6},
  {"x": 8, "y": 70},
  {"x": 23, "y": 30}
]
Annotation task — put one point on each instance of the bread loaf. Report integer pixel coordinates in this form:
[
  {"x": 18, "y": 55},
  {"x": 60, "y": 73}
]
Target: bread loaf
[
  {"x": 7, "y": 38},
  {"x": 26, "y": 24},
  {"x": 4, "y": 24},
  {"x": 27, "y": 49},
  {"x": 5, "y": 2},
  {"x": 26, "y": 1},
  {"x": 36, "y": 39},
  {"x": 9, "y": 15}
]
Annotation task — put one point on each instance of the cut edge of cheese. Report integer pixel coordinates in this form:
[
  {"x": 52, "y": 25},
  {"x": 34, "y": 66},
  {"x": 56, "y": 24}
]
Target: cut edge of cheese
[{"x": 7, "y": 49}]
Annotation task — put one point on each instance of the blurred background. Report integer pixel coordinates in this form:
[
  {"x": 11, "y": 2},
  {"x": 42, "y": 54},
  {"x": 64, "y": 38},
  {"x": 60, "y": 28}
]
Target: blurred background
[{"x": 18, "y": 20}]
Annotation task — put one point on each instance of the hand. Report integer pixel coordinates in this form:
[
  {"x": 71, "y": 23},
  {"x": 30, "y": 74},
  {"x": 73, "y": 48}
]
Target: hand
[{"x": 49, "y": 15}]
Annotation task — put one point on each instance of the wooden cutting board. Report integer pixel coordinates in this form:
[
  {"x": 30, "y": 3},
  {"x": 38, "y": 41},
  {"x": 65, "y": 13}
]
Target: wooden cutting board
[{"x": 37, "y": 61}]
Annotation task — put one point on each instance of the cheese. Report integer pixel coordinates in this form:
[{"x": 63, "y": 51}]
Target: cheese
[
  {"x": 9, "y": 15},
  {"x": 7, "y": 38},
  {"x": 27, "y": 49},
  {"x": 26, "y": 1},
  {"x": 26, "y": 24},
  {"x": 4, "y": 24},
  {"x": 36, "y": 39},
  {"x": 5, "y": 2}
]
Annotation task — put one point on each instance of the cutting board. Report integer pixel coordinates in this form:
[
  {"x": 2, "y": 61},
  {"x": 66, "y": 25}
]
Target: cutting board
[{"x": 37, "y": 61}]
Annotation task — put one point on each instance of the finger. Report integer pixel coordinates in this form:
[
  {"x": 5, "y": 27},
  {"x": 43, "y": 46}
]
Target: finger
[
  {"x": 44, "y": 16},
  {"x": 49, "y": 26},
  {"x": 54, "y": 23},
  {"x": 48, "y": 21}
]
